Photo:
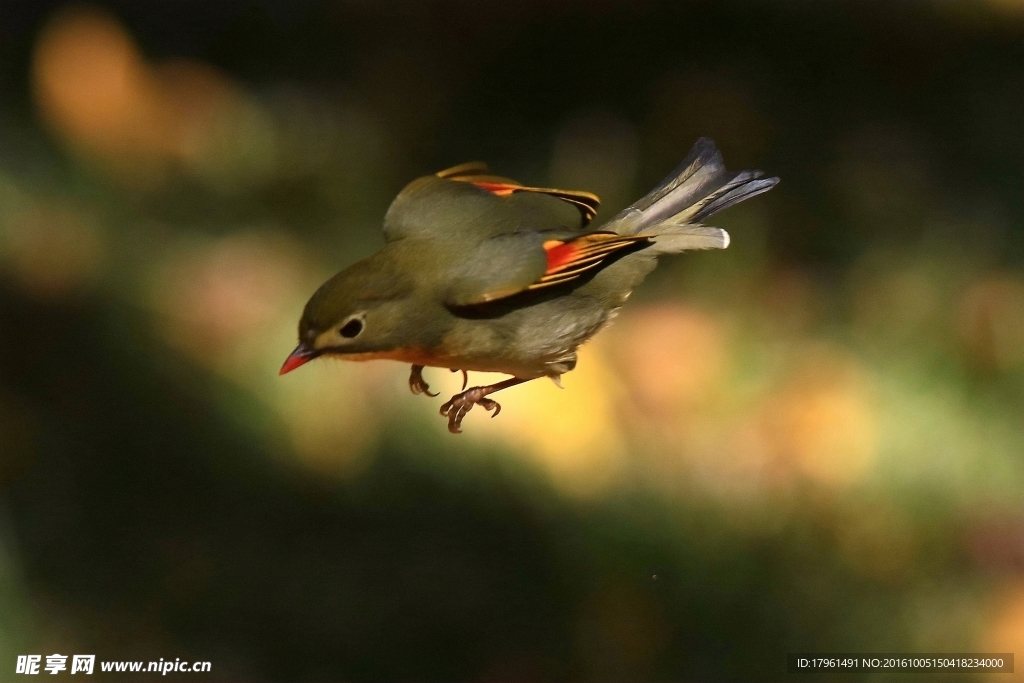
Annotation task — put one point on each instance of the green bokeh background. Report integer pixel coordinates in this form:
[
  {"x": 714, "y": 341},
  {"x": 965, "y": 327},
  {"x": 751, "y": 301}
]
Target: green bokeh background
[{"x": 159, "y": 492}]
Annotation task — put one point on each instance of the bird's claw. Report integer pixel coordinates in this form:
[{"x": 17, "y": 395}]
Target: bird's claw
[
  {"x": 417, "y": 384},
  {"x": 465, "y": 377},
  {"x": 460, "y": 404}
]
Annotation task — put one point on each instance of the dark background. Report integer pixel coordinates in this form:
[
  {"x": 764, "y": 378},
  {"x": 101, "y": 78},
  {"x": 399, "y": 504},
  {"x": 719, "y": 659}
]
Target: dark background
[{"x": 813, "y": 441}]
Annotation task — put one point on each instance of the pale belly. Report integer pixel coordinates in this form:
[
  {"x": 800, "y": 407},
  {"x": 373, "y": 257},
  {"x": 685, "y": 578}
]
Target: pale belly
[{"x": 536, "y": 342}]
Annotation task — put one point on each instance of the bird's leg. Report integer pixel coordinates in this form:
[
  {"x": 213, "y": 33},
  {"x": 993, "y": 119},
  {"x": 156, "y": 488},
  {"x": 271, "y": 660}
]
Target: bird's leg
[
  {"x": 465, "y": 377},
  {"x": 462, "y": 403},
  {"x": 417, "y": 384}
]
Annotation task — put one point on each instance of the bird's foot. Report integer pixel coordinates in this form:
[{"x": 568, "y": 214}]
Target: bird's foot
[
  {"x": 460, "y": 404},
  {"x": 417, "y": 384}
]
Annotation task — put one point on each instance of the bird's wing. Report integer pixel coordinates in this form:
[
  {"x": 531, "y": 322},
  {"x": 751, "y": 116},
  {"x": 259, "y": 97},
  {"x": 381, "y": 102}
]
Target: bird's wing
[
  {"x": 466, "y": 202},
  {"x": 505, "y": 265},
  {"x": 476, "y": 173}
]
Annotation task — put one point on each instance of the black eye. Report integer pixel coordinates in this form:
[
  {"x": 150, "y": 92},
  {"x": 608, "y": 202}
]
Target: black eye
[{"x": 351, "y": 329}]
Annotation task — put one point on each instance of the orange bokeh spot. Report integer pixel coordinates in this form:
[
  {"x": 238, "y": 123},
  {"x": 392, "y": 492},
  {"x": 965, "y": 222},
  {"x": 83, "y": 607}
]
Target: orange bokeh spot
[
  {"x": 95, "y": 89},
  {"x": 92, "y": 85},
  {"x": 821, "y": 423},
  {"x": 671, "y": 357}
]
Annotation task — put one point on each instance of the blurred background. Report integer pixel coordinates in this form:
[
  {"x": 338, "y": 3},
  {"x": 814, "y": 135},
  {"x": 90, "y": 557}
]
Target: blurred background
[{"x": 813, "y": 441}]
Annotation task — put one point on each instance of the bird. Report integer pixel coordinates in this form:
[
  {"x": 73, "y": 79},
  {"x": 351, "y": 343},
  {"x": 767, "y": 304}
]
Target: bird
[{"x": 482, "y": 273}]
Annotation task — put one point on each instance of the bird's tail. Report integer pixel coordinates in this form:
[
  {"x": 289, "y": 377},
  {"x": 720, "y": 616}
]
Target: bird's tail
[{"x": 700, "y": 186}]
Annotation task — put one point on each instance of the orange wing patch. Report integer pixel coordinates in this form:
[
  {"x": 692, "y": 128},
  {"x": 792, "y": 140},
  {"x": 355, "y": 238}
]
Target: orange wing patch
[
  {"x": 568, "y": 260},
  {"x": 476, "y": 173}
]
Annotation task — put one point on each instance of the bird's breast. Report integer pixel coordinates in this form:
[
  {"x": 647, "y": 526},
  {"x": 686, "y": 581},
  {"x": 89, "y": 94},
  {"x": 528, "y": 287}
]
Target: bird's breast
[{"x": 413, "y": 355}]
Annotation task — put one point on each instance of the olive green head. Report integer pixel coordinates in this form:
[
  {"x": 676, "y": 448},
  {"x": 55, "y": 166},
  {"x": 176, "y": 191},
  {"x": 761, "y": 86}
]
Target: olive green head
[{"x": 358, "y": 312}]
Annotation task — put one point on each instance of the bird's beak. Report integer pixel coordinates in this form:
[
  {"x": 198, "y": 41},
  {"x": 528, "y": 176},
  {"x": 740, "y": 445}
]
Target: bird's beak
[{"x": 300, "y": 356}]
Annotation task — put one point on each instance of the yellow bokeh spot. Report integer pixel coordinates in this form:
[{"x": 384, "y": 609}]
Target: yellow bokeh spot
[
  {"x": 572, "y": 432},
  {"x": 331, "y": 410}
]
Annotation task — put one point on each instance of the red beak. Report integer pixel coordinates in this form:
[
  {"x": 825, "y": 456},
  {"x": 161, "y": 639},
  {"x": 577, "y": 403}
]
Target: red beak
[{"x": 300, "y": 356}]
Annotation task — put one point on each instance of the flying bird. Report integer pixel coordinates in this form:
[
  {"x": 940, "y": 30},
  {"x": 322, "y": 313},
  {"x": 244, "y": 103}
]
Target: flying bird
[{"x": 483, "y": 273}]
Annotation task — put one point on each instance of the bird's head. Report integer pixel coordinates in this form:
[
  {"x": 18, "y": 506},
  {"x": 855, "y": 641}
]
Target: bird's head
[{"x": 359, "y": 314}]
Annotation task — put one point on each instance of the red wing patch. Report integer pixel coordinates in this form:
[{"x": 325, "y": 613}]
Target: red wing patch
[
  {"x": 500, "y": 189},
  {"x": 569, "y": 259},
  {"x": 475, "y": 172}
]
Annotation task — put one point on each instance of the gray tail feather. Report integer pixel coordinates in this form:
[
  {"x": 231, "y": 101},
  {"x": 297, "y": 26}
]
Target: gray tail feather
[{"x": 697, "y": 188}]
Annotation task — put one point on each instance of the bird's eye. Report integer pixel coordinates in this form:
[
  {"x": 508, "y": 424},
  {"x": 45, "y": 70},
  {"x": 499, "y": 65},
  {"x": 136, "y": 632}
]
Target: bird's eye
[{"x": 351, "y": 329}]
